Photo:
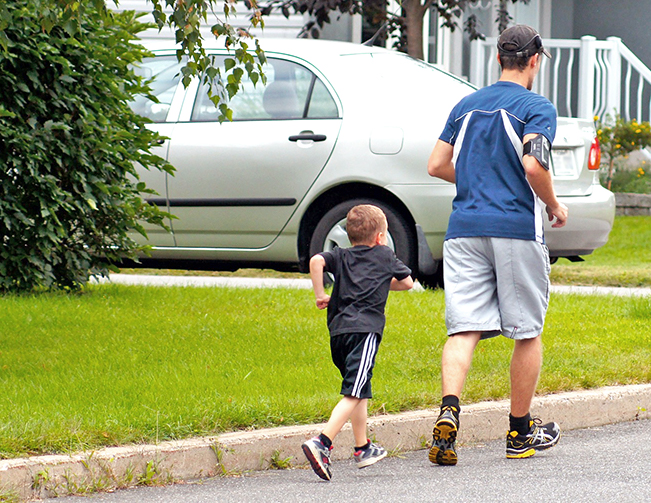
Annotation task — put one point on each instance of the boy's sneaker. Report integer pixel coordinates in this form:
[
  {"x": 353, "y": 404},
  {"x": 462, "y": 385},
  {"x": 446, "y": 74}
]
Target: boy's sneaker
[
  {"x": 319, "y": 457},
  {"x": 372, "y": 454},
  {"x": 540, "y": 437},
  {"x": 444, "y": 437}
]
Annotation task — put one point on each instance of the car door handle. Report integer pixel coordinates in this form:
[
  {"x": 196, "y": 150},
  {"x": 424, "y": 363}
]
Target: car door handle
[{"x": 308, "y": 136}]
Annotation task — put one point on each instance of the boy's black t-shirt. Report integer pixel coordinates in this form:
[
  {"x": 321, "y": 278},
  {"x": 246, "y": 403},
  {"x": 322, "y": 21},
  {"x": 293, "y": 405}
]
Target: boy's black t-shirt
[{"x": 362, "y": 280}]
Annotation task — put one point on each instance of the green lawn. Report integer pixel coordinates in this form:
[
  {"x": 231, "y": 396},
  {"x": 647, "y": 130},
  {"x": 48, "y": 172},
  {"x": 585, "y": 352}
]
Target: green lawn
[
  {"x": 121, "y": 364},
  {"x": 625, "y": 260}
]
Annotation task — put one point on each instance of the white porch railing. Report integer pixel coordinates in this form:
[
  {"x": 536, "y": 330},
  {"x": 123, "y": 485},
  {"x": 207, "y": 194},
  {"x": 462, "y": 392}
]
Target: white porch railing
[{"x": 585, "y": 77}]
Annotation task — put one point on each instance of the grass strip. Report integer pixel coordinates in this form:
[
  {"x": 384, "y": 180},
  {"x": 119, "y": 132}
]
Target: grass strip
[
  {"x": 124, "y": 364},
  {"x": 624, "y": 261}
]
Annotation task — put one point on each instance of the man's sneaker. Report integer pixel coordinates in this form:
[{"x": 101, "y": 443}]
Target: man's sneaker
[
  {"x": 372, "y": 454},
  {"x": 444, "y": 437},
  {"x": 540, "y": 437},
  {"x": 319, "y": 457}
]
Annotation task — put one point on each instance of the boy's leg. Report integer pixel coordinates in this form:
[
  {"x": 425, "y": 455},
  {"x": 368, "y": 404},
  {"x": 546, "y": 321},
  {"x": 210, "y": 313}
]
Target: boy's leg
[
  {"x": 343, "y": 411},
  {"x": 367, "y": 453},
  {"x": 358, "y": 420},
  {"x": 317, "y": 449}
]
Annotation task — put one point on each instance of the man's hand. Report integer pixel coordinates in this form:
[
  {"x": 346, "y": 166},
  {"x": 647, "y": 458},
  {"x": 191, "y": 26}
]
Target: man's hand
[
  {"x": 322, "y": 302},
  {"x": 559, "y": 212}
]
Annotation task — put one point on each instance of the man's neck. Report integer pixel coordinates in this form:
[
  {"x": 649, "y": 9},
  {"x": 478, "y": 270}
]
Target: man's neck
[{"x": 515, "y": 76}]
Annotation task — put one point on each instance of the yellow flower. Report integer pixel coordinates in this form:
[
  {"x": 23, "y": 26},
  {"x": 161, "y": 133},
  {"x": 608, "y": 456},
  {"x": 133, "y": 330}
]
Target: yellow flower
[
  {"x": 599, "y": 131},
  {"x": 632, "y": 143},
  {"x": 640, "y": 172},
  {"x": 596, "y": 118},
  {"x": 618, "y": 146},
  {"x": 638, "y": 131}
]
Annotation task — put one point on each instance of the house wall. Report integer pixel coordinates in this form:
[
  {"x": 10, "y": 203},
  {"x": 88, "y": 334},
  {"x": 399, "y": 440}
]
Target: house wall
[
  {"x": 627, "y": 19},
  {"x": 562, "y": 22}
]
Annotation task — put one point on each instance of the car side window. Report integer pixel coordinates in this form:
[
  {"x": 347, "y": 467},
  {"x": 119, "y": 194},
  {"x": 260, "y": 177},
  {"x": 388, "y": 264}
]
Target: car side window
[
  {"x": 322, "y": 106},
  {"x": 165, "y": 72},
  {"x": 290, "y": 87}
]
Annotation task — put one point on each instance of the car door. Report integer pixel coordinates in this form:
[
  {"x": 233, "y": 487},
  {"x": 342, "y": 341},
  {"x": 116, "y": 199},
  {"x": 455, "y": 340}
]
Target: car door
[{"x": 238, "y": 183}]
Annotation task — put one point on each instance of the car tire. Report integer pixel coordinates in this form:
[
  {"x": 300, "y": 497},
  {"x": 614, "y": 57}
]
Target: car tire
[{"x": 330, "y": 230}]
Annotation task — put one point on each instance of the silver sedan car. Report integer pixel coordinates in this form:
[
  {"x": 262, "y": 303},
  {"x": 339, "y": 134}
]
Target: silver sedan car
[{"x": 337, "y": 124}]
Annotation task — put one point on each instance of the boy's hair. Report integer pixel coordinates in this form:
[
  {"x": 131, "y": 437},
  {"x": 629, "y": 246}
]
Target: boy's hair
[{"x": 364, "y": 221}]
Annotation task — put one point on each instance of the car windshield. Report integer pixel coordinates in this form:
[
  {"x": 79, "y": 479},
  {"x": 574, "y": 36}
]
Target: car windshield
[{"x": 163, "y": 75}]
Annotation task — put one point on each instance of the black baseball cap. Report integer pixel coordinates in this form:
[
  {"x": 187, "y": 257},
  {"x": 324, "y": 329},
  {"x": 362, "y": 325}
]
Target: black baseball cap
[{"x": 521, "y": 41}]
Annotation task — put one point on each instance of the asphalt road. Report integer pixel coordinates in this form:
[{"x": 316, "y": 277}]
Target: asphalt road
[{"x": 611, "y": 463}]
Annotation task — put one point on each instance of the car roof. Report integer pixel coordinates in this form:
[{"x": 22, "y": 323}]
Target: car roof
[
  {"x": 309, "y": 49},
  {"x": 324, "y": 54}
]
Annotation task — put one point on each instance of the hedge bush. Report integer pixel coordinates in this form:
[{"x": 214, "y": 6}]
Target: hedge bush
[{"x": 69, "y": 192}]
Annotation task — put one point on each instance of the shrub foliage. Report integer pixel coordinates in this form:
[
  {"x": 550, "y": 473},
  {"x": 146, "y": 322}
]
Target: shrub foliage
[{"x": 69, "y": 192}]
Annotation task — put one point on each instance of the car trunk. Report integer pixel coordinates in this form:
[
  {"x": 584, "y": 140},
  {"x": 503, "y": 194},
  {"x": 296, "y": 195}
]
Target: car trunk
[{"x": 570, "y": 157}]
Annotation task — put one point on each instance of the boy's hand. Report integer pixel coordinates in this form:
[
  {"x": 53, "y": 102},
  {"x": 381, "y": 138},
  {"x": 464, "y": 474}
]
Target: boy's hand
[
  {"x": 317, "y": 264},
  {"x": 323, "y": 301}
]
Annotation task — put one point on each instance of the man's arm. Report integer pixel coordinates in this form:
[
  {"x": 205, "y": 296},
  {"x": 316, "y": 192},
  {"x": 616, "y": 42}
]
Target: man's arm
[
  {"x": 317, "y": 265},
  {"x": 440, "y": 162},
  {"x": 540, "y": 180}
]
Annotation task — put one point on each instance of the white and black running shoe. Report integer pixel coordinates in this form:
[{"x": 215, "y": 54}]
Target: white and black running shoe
[
  {"x": 319, "y": 457},
  {"x": 371, "y": 455},
  {"x": 540, "y": 437}
]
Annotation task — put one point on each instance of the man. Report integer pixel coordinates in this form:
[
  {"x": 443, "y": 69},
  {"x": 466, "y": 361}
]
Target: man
[{"x": 496, "y": 148}]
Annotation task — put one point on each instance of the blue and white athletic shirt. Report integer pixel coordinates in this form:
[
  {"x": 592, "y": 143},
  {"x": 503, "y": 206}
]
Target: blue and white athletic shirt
[{"x": 494, "y": 198}]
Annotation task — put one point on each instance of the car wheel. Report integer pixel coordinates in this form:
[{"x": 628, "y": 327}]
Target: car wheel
[{"x": 330, "y": 231}]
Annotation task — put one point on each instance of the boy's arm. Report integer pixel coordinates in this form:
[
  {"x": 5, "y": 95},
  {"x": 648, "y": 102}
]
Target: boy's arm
[
  {"x": 402, "y": 284},
  {"x": 317, "y": 265}
]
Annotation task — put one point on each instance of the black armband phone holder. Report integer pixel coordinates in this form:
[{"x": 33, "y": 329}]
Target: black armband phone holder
[{"x": 540, "y": 148}]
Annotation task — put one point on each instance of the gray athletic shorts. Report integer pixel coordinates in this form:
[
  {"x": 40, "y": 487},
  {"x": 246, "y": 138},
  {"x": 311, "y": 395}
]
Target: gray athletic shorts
[{"x": 496, "y": 286}]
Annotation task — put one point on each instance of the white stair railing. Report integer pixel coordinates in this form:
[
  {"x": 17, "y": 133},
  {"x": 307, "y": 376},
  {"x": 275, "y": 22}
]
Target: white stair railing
[{"x": 585, "y": 77}]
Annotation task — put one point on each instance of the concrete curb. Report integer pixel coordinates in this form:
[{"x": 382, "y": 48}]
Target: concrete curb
[{"x": 117, "y": 467}]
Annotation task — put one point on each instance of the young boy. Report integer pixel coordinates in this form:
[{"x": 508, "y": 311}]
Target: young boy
[{"x": 363, "y": 274}]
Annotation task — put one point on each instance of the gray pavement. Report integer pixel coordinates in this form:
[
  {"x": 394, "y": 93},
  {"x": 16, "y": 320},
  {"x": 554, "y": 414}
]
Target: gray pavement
[{"x": 610, "y": 463}]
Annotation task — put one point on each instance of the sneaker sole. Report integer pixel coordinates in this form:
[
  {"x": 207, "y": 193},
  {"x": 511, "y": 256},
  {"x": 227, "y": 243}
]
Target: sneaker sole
[
  {"x": 371, "y": 461},
  {"x": 313, "y": 458},
  {"x": 439, "y": 454},
  {"x": 531, "y": 450}
]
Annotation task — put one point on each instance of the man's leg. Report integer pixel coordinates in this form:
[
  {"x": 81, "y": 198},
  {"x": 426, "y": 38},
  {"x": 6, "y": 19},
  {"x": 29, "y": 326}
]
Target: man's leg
[
  {"x": 526, "y": 435},
  {"x": 456, "y": 360},
  {"x": 455, "y": 364},
  {"x": 525, "y": 370}
]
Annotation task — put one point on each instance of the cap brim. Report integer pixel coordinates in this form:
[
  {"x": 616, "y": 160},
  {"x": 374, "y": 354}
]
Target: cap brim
[{"x": 546, "y": 53}]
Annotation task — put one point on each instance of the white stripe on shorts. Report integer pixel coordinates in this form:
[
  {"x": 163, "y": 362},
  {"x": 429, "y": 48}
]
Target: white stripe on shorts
[{"x": 365, "y": 364}]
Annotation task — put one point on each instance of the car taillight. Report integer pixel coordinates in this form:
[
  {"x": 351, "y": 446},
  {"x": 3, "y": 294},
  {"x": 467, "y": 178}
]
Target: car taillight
[{"x": 594, "y": 157}]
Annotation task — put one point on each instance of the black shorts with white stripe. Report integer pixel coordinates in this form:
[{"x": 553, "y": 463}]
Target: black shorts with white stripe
[{"x": 354, "y": 356}]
